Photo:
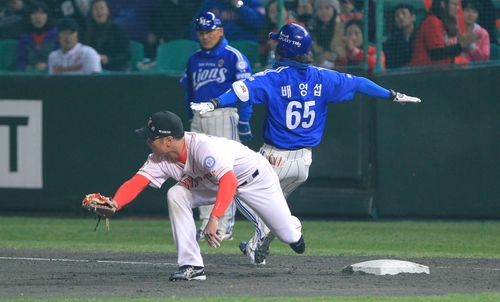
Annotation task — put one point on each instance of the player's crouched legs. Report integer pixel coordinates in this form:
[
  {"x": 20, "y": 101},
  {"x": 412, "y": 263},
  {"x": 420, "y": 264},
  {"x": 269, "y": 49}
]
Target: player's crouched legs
[{"x": 184, "y": 232}]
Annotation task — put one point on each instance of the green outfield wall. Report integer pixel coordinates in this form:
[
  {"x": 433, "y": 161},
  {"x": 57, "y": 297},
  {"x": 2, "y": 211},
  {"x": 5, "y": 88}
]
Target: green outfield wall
[{"x": 62, "y": 137}]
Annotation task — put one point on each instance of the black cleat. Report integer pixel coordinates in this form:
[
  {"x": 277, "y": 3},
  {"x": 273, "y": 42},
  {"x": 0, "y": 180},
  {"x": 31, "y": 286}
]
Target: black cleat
[
  {"x": 300, "y": 246},
  {"x": 243, "y": 247},
  {"x": 262, "y": 250},
  {"x": 187, "y": 273}
]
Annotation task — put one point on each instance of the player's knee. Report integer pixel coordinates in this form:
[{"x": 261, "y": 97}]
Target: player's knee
[{"x": 174, "y": 196}]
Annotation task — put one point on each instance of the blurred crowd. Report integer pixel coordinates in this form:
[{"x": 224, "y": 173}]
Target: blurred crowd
[{"x": 432, "y": 33}]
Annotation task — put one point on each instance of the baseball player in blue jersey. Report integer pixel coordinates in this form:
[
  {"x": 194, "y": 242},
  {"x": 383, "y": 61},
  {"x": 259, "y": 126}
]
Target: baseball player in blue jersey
[
  {"x": 210, "y": 72},
  {"x": 296, "y": 96}
]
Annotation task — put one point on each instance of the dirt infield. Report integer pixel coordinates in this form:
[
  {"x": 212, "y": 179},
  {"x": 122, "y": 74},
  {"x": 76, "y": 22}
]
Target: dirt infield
[{"x": 29, "y": 273}]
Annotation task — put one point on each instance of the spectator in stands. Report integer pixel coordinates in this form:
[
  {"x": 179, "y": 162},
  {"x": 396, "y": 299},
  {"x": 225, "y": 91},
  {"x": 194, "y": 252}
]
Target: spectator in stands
[
  {"x": 353, "y": 43},
  {"x": 487, "y": 18},
  {"x": 108, "y": 38},
  {"x": 480, "y": 50},
  {"x": 134, "y": 16},
  {"x": 270, "y": 25},
  {"x": 327, "y": 30},
  {"x": 437, "y": 39},
  {"x": 75, "y": 9},
  {"x": 39, "y": 39},
  {"x": 241, "y": 20},
  {"x": 349, "y": 12},
  {"x": 73, "y": 57},
  {"x": 170, "y": 20},
  {"x": 11, "y": 18},
  {"x": 301, "y": 10},
  {"x": 398, "y": 48}
]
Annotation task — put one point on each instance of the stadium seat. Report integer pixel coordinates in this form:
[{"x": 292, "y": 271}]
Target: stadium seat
[
  {"x": 137, "y": 52},
  {"x": 8, "y": 57},
  {"x": 250, "y": 49},
  {"x": 494, "y": 52},
  {"x": 173, "y": 56}
]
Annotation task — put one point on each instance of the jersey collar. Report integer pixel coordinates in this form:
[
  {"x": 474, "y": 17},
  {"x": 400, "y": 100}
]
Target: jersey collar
[{"x": 291, "y": 63}]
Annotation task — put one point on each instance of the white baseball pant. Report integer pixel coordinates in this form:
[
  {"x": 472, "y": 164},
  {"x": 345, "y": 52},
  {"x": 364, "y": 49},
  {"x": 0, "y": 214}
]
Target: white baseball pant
[
  {"x": 292, "y": 168},
  {"x": 262, "y": 194}
]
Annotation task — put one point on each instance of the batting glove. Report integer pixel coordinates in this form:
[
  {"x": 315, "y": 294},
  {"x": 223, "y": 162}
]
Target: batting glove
[
  {"x": 202, "y": 107},
  {"x": 244, "y": 131},
  {"x": 403, "y": 98}
]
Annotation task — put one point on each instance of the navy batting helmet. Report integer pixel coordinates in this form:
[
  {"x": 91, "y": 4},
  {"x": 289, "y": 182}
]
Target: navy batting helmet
[
  {"x": 207, "y": 20},
  {"x": 293, "y": 40}
]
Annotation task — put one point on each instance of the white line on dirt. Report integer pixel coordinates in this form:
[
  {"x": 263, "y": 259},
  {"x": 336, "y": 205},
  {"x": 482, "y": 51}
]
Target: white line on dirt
[
  {"x": 478, "y": 268},
  {"x": 77, "y": 260}
]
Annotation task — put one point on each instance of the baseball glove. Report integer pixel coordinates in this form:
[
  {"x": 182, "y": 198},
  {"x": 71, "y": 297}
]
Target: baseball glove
[{"x": 101, "y": 205}]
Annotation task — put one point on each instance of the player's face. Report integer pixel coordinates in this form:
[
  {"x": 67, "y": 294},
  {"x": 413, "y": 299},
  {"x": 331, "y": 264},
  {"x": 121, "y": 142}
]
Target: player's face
[
  {"x": 68, "y": 39},
  {"x": 38, "y": 18},
  {"x": 355, "y": 34},
  {"x": 470, "y": 16},
  {"x": 100, "y": 11},
  {"x": 209, "y": 38},
  {"x": 403, "y": 18},
  {"x": 325, "y": 12},
  {"x": 159, "y": 145}
]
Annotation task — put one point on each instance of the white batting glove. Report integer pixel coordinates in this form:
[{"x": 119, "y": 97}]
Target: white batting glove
[
  {"x": 403, "y": 98},
  {"x": 202, "y": 107}
]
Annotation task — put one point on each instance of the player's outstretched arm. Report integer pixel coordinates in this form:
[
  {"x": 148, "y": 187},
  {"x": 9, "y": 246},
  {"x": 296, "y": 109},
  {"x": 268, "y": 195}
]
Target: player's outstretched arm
[
  {"x": 228, "y": 97},
  {"x": 370, "y": 88}
]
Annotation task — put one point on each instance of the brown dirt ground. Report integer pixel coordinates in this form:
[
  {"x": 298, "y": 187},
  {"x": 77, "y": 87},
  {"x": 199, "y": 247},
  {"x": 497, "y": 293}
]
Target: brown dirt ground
[{"x": 82, "y": 274}]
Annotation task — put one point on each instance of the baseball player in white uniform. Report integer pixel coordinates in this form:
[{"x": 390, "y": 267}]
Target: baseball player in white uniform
[
  {"x": 209, "y": 170},
  {"x": 73, "y": 57}
]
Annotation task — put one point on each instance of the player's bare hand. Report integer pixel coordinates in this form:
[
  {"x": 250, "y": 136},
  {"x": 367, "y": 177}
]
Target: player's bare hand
[{"x": 210, "y": 232}]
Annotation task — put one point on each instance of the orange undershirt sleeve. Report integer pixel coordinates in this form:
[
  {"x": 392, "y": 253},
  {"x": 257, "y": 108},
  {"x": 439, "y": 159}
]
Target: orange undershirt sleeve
[
  {"x": 227, "y": 187},
  {"x": 130, "y": 189}
]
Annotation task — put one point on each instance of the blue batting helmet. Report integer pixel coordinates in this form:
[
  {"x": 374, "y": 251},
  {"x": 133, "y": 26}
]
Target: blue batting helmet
[
  {"x": 293, "y": 40},
  {"x": 207, "y": 20}
]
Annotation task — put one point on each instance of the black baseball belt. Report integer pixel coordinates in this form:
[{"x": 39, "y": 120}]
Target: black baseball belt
[{"x": 255, "y": 174}]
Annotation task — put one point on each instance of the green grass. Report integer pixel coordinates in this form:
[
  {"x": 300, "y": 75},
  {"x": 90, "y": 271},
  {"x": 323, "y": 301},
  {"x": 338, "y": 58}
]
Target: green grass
[{"x": 405, "y": 239}]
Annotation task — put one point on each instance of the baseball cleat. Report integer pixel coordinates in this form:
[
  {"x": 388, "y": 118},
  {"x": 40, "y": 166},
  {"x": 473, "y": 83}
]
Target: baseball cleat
[
  {"x": 243, "y": 247},
  {"x": 200, "y": 236},
  {"x": 225, "y": 236},
  {"x": 188, "y": 273},
  {"x": 262, "y": 250},
  {"x": 300, "y": 246}
]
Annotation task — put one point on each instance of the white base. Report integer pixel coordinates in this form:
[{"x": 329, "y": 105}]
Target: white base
[{"x": 387, "y": 267}]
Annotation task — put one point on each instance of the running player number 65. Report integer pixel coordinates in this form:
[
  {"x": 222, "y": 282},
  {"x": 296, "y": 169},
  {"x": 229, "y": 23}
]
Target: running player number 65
[{"x": 293, "y": 118}]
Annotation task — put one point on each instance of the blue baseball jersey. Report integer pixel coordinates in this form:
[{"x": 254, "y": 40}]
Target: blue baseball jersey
[
  {"x": 296, "y": 102},
  {"x": 211, "y": 73}
]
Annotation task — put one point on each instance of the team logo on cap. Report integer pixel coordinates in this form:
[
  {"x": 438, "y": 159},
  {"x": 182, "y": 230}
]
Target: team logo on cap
[
  {"x": 203, "y": 21},
  {"x": 209, "y": 162}
]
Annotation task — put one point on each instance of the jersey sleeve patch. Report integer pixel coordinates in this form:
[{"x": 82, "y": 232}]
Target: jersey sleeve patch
[
  {"x": 242, "y": 65},
  {"x": 209, "y": 162}
]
